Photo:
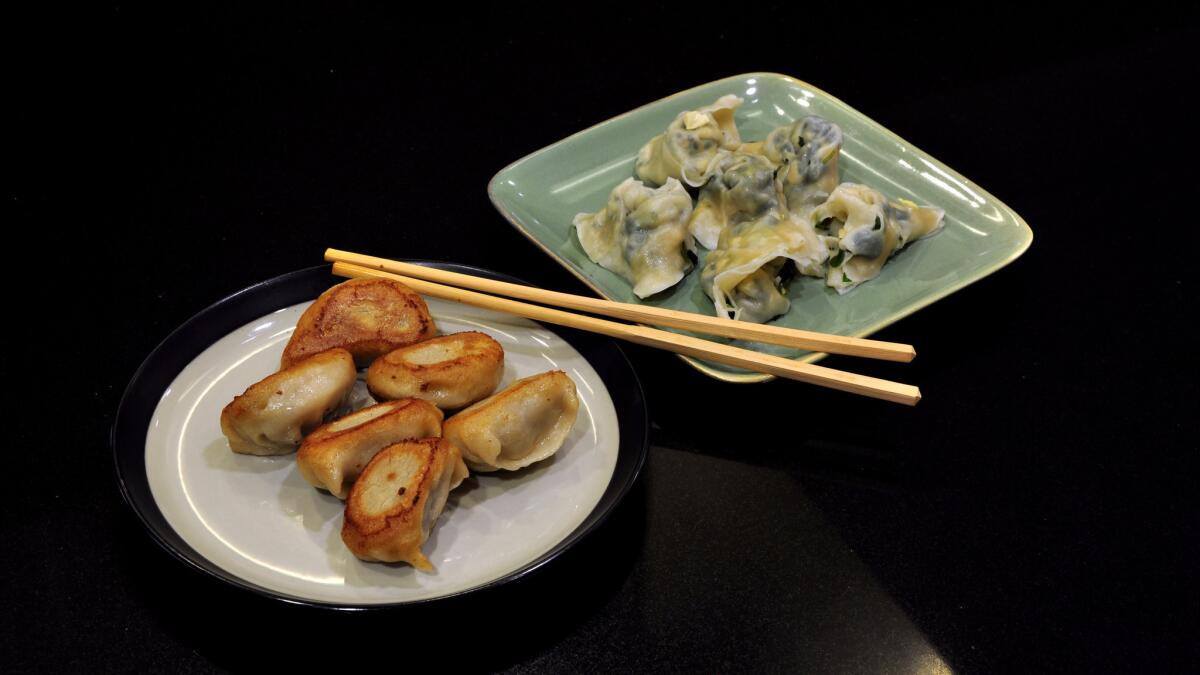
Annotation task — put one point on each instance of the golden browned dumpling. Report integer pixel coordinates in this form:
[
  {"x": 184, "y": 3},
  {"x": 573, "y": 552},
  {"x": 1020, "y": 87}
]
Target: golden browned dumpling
[
  {"x": 525, "y": 423},
  {"x": 451, "y": 371},
  {"x": 334, "y": 455},
  {"x": 367, "y": 317},
  {"x": 273, "y": 415},
  {"x": 396, "y": 501}
]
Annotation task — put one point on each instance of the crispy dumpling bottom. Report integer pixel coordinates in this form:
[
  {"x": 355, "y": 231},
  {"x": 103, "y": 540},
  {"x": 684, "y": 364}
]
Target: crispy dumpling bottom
[
  {"x": 367, "y": 317},
  {"x": 395, "y": 503},
  {"x": 451, "y": 371}
]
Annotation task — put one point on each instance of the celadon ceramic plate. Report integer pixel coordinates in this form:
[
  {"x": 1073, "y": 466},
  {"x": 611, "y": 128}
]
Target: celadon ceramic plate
[
  {"x": 254, "y": 521},
  {"x": 541, "y": 193}
]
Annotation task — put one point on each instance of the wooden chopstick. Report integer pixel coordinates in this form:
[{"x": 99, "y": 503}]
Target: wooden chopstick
[
  {"x": 651, "y": 337},
  {"x": 744, "y": 330}
]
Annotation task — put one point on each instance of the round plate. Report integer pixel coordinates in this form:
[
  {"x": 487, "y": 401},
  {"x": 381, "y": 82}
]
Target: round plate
[{"x": 255, "y": 523}]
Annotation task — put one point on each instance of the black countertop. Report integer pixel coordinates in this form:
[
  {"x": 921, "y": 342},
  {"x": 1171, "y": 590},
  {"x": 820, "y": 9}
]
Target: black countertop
[{"x": 1036, "y": 511}]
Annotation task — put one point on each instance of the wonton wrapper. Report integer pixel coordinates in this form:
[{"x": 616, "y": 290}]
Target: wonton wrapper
[
  {"x": 868, "y": 230},
  {"x": 743, "y": 188},
  {"x": 807, "y": 151},
  {"x": 742, "y": 275},
  {"x": 641, "y": 234},
  {"x": 691, "y": 146}
]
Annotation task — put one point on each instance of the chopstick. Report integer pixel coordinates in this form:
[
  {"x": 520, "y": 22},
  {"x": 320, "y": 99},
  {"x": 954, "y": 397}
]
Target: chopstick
[
  {"x": 744, "y": 330},
  {"x": 651, "y": 337}
]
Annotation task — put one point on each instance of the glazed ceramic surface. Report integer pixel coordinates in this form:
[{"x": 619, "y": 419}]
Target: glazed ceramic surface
[{"x": 541, "y": 193}]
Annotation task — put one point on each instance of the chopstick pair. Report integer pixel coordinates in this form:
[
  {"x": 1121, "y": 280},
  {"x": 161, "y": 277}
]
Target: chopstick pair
[{"x": 453, "y": 286}]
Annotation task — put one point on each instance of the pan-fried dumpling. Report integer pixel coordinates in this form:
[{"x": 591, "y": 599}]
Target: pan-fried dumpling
[
  {"x": 742, "y": 189},
  {"x": 367, "y": 317},
  {"x": 691, "y": 145},
  {"x": 451, "y": 371},
  {"x": 808, "y": 151},
  {"x": 525, "y": 423},
  {"x": 865, "y": 230},
  {"x": 641, "y": 234},
  {"x": 746, "y": 274},
  {"x": 273, "y": 415},
  {"x": 395, "y": 503},
  {"x": 333, "y": 455}
]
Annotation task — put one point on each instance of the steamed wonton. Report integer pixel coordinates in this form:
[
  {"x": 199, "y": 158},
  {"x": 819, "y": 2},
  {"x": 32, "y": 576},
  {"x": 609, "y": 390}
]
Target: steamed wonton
[
  {"x": 760, "y": 228},
  {"x": 641, "y": 234},
  {"x": 744, "y": 275},
  {"x": 865, "y": 229},
  {"x": 691, "y": 146},
  {"x": 808, "y": 150},
  {"x": 742, "y": 189}
]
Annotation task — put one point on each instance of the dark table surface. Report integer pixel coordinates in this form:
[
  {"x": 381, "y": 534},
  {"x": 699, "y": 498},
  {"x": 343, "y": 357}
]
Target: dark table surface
[{"x": 1036, "y": 511}]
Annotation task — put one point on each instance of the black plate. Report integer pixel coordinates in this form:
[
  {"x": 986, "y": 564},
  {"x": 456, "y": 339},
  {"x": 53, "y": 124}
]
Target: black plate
[{"x": 183, "y": 345}]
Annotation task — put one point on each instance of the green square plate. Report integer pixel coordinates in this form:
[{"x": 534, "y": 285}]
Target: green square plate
[{"x": 541, "y": 193}]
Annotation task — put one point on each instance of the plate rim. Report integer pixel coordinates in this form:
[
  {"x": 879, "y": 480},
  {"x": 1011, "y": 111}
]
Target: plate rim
[
  {"x": 634, "y": 432},
  {"x": 753, "y": 378}
]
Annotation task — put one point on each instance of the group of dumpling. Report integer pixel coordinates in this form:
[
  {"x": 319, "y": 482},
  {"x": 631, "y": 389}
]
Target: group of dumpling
[
  {"x": 395, "y": 462},
  {"x": 764, "y": 210}
]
